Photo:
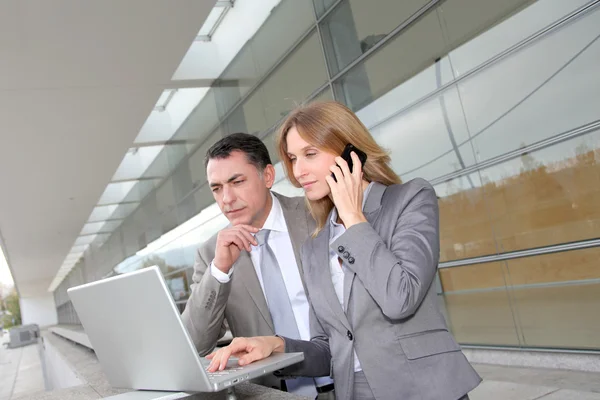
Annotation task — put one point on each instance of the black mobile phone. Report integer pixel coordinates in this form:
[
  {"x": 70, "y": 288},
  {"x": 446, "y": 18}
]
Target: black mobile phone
[{"x": 346, "y": 156}]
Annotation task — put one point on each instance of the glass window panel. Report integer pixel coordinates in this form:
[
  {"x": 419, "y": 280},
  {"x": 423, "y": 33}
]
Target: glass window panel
[
  {"x": 186, "y": 209},
  {"x": 111, "y": 225},
  {"x": 92, "y": 227},
  {"x": 506, "y": 34},
  {"x": 547, "y": 88},
  {"x": 557, "y": 297},
  {"x": 261, "y": 53},
  {"x": 325, "y": 95},
  {"x": 465, "y": 229},
  {"x": 168, "y": 159},
  {"x": 478, "y": 305},
  {"x": 465, "y": 19},
  {"x": 271, "y": 42},
  {"x": 102, "y": 212},
  {"x": 116, "y": 192},
  {"x": 406, "y": 94},
  {"x": 123, "y": 210},
  {"x": 422, "y": 139},
  {"x": 136, "y": 162},
  {"x": 203, "y": 197},
  {"x": 238, "y": 78},
  {"x": 102, "y": 226},
  {"x": 141, "y": 190},
  {"x": 182, "y": 180},
  {"x": 357, "y": 25},
  {"x": 293, "y": 81},
  {"x": 196, "y": 160},
  {"x": 253, "y": 110},
  {"x": 165, "y": 196},
  {"x": 202, "y": 120},
  {"x": 269, "y": 141},
  {"x": 410, "y": 52},
  {"x": 546, "y": 197}
]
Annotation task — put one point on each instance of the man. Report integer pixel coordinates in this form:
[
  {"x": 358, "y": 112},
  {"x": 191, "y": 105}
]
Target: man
[{"x": 250, "y": 272}]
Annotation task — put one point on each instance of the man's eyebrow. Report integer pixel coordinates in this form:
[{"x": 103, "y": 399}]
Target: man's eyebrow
[{"x": 233, "y": 178}]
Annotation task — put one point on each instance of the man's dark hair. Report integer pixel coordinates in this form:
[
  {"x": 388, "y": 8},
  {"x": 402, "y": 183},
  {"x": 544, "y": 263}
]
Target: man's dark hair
[{"x": 255, "y": 150}]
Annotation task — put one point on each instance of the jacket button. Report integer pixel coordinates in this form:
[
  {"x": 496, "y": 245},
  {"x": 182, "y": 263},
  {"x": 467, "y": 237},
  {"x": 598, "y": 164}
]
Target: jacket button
[
  {"x": 340, "y": 248},
  {"x": 346, "y": 254},
  {"x": 351, "y": 260},
  {"x": 349, "y": 334}
]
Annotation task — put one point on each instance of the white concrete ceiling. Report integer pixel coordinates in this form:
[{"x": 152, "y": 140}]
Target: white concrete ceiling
[{"x": 77, "y": 81}]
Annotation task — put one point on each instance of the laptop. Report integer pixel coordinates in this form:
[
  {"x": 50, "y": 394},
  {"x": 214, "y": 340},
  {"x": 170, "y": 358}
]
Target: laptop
[{"x": 138, "y": 336}]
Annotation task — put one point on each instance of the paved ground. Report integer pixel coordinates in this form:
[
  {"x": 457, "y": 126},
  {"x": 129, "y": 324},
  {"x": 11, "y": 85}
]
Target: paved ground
[{"x": 20, "y": 371}]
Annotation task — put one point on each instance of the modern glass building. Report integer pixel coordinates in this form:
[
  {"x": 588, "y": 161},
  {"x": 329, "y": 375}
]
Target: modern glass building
[{"x": 496, "y": 103}]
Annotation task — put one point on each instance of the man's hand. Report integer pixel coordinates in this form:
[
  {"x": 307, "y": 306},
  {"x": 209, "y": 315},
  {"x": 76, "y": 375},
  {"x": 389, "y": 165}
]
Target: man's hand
[
  {"x": 230, "y": 243},
  {"x": 247, "y": 350}
]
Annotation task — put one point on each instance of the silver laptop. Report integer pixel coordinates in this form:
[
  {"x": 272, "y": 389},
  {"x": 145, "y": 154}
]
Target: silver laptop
[{"x": 141, "y": 343}]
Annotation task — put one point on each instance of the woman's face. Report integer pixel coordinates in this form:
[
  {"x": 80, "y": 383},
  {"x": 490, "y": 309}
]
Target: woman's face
[{"x": 310, "y": 165}]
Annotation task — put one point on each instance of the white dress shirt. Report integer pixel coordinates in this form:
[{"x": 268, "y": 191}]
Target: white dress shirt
[
  {"x": 281, "y": 244},
  {"x": 338, "y": 271}
]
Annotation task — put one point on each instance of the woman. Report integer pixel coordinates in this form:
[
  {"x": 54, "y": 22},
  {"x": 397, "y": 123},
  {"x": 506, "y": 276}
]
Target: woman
[{"x": 369, "y": 271}]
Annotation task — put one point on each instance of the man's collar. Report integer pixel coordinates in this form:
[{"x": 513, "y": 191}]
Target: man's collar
[{"x": 275, "y": 220}]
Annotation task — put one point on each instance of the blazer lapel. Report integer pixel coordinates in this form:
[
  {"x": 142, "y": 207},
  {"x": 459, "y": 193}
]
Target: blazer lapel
[
  {"x": 322, "y": 275},
  {"x": 246, "y": 274}
]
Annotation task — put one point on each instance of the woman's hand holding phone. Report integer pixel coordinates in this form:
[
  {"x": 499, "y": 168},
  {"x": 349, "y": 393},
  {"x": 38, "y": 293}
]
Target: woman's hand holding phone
[{"x": 347, "y": 190}]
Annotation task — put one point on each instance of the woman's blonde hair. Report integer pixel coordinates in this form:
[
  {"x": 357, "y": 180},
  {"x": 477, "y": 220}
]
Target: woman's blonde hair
[{"x": 330, "y": 126}]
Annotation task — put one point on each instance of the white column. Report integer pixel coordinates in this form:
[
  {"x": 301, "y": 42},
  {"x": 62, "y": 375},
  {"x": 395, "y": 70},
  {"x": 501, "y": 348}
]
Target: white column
[{"x": 39, "y": 310}]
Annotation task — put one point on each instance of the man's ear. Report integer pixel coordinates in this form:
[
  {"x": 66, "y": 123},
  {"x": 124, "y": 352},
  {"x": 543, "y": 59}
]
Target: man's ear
[{"x": 269, "y": 175}]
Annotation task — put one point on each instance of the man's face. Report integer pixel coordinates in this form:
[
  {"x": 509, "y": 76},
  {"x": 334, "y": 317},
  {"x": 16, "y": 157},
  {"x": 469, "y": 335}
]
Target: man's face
[{"x": 243, "y": 194}]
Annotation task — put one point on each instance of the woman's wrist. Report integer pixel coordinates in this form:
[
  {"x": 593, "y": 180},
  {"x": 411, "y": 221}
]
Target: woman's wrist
[
  {"x": 353, "y": 219},
  {"x": 277, "y": 344}
]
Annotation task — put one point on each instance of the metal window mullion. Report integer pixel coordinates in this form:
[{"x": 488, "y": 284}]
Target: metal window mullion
[
  {"x": 539, "y": 251},
  {"x": 542, "y": 144},
  {"x": 321, "y": 44}
]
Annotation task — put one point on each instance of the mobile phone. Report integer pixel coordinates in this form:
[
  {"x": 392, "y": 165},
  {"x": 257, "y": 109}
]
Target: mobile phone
[{"x": 346, "y": 156}]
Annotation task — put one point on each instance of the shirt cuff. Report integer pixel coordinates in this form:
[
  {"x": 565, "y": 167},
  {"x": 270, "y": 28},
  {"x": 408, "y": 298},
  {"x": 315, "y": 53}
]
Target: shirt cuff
[{"x": 220, "y": 275}]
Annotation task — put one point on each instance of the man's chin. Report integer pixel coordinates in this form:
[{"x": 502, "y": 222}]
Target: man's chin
[{"x": 239, "y": 220}]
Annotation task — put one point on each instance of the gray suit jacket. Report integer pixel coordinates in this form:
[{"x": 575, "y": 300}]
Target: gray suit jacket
[
  {"x": 241, "y": 301},
  {"x": 392, "y": 319}
]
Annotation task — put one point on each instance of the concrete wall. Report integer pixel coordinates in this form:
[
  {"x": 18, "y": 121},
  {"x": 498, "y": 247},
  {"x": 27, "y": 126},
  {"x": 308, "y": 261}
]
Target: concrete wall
[{"x": 58, "y": 373}]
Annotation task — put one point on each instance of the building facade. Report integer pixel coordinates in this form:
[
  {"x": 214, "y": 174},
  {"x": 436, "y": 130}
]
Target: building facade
[{"x": 496, "y": 103}]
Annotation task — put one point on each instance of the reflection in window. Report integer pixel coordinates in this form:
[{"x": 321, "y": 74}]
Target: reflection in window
[
  {"x": 545, "y": 89},
  {"x": 288, "y": 86},
  {"x": 546, "y": 197},
  {"x": 557, "y": 297},
  {"x": 356, "y": 25},
  {"x": 534, "y": 200},
  {"x": 478, "y": 304},
  {"x": 413, "y": 50}
]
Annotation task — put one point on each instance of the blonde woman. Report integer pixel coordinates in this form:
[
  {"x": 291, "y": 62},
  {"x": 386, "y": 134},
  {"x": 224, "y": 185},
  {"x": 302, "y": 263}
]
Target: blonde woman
[{"x": 369, "y": 269}]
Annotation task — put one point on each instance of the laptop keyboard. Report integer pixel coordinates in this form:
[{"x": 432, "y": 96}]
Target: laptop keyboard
[{"x": 228, "y": 370}]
